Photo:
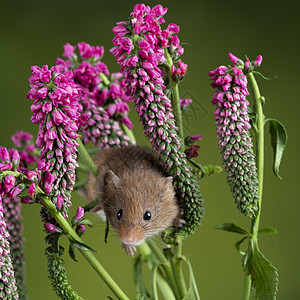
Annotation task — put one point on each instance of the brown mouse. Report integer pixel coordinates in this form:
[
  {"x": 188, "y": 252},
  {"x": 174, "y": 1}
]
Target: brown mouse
[{"x": 137, "y": 196}]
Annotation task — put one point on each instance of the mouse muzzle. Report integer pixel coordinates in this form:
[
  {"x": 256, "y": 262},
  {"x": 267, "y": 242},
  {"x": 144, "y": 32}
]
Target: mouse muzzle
[{"x": 131, "y": 235}]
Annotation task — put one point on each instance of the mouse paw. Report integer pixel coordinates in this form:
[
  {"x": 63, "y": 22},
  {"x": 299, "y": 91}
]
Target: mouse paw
[
  {"x": 129, "y": 249},
  {"x": 178, "y": 222}
]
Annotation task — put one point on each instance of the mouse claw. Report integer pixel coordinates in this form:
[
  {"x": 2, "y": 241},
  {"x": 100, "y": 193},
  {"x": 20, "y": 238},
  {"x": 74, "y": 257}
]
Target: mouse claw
[
  {"x": 129, "y": 249},
  {"x": 178, "y": 222}
]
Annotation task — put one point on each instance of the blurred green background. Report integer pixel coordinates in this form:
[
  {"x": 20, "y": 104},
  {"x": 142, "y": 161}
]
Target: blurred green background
[{"x": 34, "y": 32}]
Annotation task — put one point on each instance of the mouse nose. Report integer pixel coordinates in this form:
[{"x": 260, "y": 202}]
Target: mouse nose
[{"x": 132, "y": 235}]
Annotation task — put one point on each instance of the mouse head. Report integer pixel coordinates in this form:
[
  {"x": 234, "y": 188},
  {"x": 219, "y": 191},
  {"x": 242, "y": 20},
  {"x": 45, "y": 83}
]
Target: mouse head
[{"x": 139, "y": 204}]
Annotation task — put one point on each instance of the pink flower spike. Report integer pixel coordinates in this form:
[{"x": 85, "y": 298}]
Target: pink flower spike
[
  {"x": 32, "y": 190},
  {"x": 79, "y": 214},
  {"x": 51, "y": 228}
]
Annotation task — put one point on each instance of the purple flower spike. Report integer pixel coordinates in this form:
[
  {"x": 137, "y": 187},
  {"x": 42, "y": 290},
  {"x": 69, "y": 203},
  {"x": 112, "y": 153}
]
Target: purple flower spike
[
  {"x": 55, "y": 108},
  {"x": 233, "y": 126},
  {"x": 144, "y": 84},
  {"x": 79, "y": 214},
  {"x": 8, "y": 281}
]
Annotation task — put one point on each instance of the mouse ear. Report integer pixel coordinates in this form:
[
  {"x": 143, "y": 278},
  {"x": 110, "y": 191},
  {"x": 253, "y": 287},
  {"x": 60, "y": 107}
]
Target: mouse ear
[{"x": 111, "y": 177}]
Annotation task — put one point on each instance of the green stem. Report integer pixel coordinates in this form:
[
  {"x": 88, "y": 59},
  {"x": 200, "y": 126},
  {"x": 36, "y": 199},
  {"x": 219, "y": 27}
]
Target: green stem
[
  {"x": 166, "y": 267},
  {"x": 86, "y": 158},
  {"x": 128, "y": 132},
  {"x": 104, "y": 79},
  {"x": 163, "y": 286},
  {"x": 260, "y": 151},
  {"x": 89, "y": 256},
  {"x": 177, "y": 267},
  {"x": 175, "y": 98},
  {"x": 260, "y": 171}
]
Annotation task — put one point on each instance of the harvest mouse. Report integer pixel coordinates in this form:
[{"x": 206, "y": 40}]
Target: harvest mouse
[{"x": 137, "y": 196}]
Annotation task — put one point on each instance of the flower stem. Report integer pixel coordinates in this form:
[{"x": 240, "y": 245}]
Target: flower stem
[
  {"x": 86, "y": 158},
  {"x": 177, "y": 266},
  {"x": 260, "y": 170},
  {"x": 175, "y": 98},
  {"x": 128, "y": 132},
  {"x": 87, "y": 254},
  {"x": 165, "y": 263},
  {"x": 164, "y": 287}
]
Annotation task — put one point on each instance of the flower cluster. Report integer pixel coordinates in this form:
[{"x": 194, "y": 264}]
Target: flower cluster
[
  {"x": 235, "y": 142},
  {"x": 8, "y": 287},
  {"x": 101, "y": 130},
  {"x": 24, "y": 144},
  {"x": 139, "y": 49},
  {"x": 13, "y": 220},
  {"x": 101, "y": 126},
  {"x": 55, "y": 108}
]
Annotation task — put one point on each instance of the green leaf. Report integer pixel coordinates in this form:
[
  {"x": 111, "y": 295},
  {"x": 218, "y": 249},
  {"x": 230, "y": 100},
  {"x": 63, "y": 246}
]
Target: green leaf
[
  {"x": 192, "y": 293},
  {"x": 264, "y": 275},
  {"x": 278, "y": 140},
  {"x": 85, "y": 222},
  {"x": 268, "y": 230},
  {"x": 154, "y": 295},
  {"x": 72, "y": 252},
  {"x": 141, "y": 292},
  {"x": 263, "y": 77},
  {"x": 237, "y": 245},
  {"x": 231, "y": 227},
  {"x": 80, "y": 245}
]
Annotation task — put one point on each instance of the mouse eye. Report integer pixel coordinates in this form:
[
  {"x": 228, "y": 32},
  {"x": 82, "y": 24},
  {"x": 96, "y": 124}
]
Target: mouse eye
[
  {"x": 120, "y": 214},
  {"x": 147, "y": 215}
]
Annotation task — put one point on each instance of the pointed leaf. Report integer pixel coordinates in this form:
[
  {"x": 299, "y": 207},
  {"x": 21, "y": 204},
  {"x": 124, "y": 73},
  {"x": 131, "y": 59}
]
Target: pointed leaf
[
  {"x": 192, "y": 290},
  {"x": 85, "y": 222},
  {"x": 264, "y": 275},
  {"x": 80, "y": 245},
  {"x": 278, "y": 140},
  {"x": 231, "y": 227},
  {"x": 268, "y": 230},
  {"x": 237, "y": 245},
  {"x": 72, "y": 252},
  {"x": 263, "y": 77}
]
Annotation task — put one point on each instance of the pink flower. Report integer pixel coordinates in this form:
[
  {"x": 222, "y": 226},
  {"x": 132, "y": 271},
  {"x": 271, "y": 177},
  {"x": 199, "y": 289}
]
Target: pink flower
[
  {"x": 192, "y": 151},
  {"x": 32, "y": 190},
  {"x": 125, "y": 120},
  {"x": 195, "y": 137},
  {"x": 173, "y": 28},
  {"x": 234, "y": 59},
  {"x": 79, "y": 214},
  {"x": 9, "y": 182},
  {"x": 69, "y": 50},
  {"x": 51, "y": 228},
  {"x": 258, "y": 60},
  {"x": 4, "y": 155},
  {"x": 80, "y": 229}
]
